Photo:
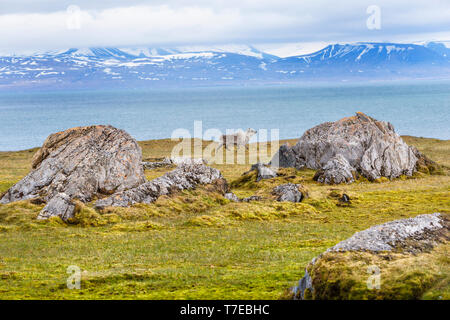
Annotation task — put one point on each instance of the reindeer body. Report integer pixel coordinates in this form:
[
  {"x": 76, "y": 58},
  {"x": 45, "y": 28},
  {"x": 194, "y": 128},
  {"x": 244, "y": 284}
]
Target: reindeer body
[{"x": 238, "y": 139}]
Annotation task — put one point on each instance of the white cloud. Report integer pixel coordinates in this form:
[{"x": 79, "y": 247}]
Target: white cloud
[{"x": 27, "y": 24}]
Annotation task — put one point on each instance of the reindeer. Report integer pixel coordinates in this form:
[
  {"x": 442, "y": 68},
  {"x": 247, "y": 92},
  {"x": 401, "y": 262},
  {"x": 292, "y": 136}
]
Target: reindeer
[{"x": 239, "y": 139}]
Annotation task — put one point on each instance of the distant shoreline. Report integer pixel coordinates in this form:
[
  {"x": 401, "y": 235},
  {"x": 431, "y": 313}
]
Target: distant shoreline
[
  {"x": 282, "y": 141},
  {"x": 167, "y": 85}
]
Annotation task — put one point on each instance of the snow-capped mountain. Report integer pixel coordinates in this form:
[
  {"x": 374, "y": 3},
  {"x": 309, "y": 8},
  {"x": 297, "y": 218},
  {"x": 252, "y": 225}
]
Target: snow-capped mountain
[
  {"x": 367, "y": 60},
  {"x": 101, "y": 67},
  {"x": 442, "y": 49},
  {"x": 370, "y": 54}
]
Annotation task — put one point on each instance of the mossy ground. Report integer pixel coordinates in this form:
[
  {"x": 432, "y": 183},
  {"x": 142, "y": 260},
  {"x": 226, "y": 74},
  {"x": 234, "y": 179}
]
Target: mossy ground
[
  {"x": 351, "y": 275},
  {"x": 196, "y": 244}
]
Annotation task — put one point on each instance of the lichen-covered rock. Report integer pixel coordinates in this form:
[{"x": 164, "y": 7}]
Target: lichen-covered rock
[
  {"x": 399, "y": 239},
  {"x": 337, "y": 170},
  {"x": 369, "y": 146},
  {"x": 288, "y": 192},
  {"x": 81, "y": 163},
  {"x": 389, "y": 235},
  {"x": 60, "y": 205},
  {"x": 185, "y": 176}
]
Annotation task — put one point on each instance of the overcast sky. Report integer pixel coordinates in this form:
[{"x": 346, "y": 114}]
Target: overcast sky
[{"x": 279, "y": 26}]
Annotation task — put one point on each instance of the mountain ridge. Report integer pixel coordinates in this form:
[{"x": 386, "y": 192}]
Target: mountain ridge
[{"x": 96, "y": 66}]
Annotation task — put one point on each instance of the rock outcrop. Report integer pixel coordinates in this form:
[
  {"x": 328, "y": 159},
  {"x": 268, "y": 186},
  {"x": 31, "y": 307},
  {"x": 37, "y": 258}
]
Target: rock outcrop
[
  {"x": 185, "y": 176},
  {"x": 176, "y": 161},
  {"x": 289, "y": 192},
  {"x": 355, "y": 144},
  {"x": 81, "y": 163},
  {"x": 406, "y": 237}
]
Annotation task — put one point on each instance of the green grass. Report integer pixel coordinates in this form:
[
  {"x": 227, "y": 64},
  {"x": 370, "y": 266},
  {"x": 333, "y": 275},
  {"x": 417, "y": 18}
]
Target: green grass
[
  {"x": 423, "y": 275},
  {"x": 196, "y": 244}
]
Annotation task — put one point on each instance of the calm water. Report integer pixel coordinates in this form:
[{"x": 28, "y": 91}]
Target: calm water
[{"x": 415, "y": 108}]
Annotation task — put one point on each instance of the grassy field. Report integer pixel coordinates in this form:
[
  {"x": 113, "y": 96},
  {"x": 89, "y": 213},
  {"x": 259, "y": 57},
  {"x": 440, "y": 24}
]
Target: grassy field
[{"x": 196, "y": 244}]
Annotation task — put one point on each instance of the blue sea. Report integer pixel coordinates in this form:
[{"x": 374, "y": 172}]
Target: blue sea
[{"x": 419, "y": 108}]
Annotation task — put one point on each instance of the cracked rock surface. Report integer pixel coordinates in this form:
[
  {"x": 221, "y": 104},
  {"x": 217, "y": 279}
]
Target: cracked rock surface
[
  {"x": 60, "y": 205},
  {"x": 370, "y": 147},
  {"x": 336, "y": 171},
  {"x": 81, "y": 163}
]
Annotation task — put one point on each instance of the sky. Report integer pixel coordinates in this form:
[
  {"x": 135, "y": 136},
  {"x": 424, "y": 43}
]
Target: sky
[{"x": 281, "y": 27}]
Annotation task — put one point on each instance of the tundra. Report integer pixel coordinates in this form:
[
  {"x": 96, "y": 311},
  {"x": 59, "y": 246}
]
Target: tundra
[{"x": 238, "y": 139}]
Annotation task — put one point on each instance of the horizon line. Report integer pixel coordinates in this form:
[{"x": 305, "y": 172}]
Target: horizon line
[{"x": 215, "y": 48}]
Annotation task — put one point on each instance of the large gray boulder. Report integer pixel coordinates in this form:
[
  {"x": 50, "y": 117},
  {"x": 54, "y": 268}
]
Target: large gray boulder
[
  {"x": 185, "y": 176},
  {"x": 356, "y": 144},
  {"x": 387, "y": 236},
  {"x": 410, "y": 236},
  {"x": 81, "y": 163}
]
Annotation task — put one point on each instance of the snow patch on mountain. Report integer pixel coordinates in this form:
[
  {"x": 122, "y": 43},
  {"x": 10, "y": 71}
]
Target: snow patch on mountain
[{"x": 103, "y": 66}]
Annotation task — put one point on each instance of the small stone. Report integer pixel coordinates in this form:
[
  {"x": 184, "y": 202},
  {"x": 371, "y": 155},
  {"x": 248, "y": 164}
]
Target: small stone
[
  {"x": 288, "y": 192},
  {"x": 252, "y": 198},
  {"x": 345, "y": 198},
  {"x": 263, "y": 171},
  {"x": 232, "y": 197}
]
